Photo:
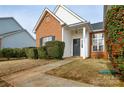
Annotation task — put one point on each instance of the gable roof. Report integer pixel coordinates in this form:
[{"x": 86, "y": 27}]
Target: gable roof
[
  {"x": 73, "y": 15},
  {"x": 97, "y": 26},
  {"x": 8, "y": 25},
  {"x": 42, "y": 15}
]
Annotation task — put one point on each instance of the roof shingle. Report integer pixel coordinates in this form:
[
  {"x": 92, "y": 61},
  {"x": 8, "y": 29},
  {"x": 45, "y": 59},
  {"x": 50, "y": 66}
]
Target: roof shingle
[{"x": 97, "y": 26}]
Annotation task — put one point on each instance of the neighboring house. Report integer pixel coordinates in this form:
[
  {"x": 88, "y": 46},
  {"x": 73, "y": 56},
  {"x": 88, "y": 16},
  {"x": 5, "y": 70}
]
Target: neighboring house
[
  {"x": 12, "y": 35},
  {"x": 81, "y": 38}
]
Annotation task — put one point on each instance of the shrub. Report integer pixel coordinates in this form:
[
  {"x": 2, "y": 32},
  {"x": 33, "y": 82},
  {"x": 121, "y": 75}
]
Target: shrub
[
  {"x": 18, "y": 53},
  {"x": 42, "y": 52},
  {"x": 31, "y": 53},
  {"x": 121, "y": 67},
  {"x": 120, "y": 59},
  {"x": 7, "y": 53},
  {"x": 23, "y": 52},
  {"x": 1, "y": 53},
  {"x": 55, "y": 49}
]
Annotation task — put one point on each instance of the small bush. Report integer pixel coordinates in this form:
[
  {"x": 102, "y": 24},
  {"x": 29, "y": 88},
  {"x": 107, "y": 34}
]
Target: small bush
[
  {"x": 23, "y": 52},
  {"x": 55, "y": 49},
  {"x": 119, "y": 59},
  {"x": 31, "y": 53},
  {"x": 42, "y": 53},
  {"x": 18, "y": 53},
  {"x": 1, "y": 53},
  {"x": 121, "y": 67},
  {"x": 7, "y": 53}
]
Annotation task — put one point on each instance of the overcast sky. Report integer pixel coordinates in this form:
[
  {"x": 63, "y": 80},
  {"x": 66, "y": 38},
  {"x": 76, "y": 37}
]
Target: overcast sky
[{"x": 28, "y": 15}]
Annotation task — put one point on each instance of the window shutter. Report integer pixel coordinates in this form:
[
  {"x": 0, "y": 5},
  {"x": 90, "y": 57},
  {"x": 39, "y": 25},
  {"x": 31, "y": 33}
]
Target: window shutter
[
  {"x": 53, "y": 38},
  {"x": 40, "y": 41}
]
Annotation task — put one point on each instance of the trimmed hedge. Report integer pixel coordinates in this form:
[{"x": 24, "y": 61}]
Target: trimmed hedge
[
  {"x": 31, "y": 53},
  {"x": 1, "y": 53},
  {"x": 18, "y": 53},
  {"x": 42, "y": 52},
  {"x": 55, "y": 49},
  {"x": 52, "y": 49},
  {"x": 7, "y": 53},
  {"x": 12, "y": 53}
]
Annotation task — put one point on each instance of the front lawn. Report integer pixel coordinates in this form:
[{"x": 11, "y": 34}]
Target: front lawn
[
  {"x": 9, "y": 67},
  {"x": 87, "y": 71},
  {"x": 4, "y": 84}
]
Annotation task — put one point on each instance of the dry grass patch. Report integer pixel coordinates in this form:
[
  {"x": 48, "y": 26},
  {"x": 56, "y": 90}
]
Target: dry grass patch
[
  {"x": 4, "y": 84},
  {"x": 87, "y": 71},
  {"x": 9, "y": 67}
]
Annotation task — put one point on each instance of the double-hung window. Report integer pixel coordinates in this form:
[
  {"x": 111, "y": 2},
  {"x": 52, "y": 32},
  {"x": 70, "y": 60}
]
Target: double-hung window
[
  {"x": 46, "y": 39},
  {"x": 98, "y": 42}
]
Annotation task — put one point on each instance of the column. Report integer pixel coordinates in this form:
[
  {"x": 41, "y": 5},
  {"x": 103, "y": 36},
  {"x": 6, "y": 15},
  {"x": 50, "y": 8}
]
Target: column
[{"x": 84, "y": 42}]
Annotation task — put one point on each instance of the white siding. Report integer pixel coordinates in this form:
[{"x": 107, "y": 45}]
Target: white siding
[
  {"x": 18, "y": 40},
  {"x": 66, "y": 16},
  {"x": 8, "y": 25},
  {"x": 67, "y": 39}
]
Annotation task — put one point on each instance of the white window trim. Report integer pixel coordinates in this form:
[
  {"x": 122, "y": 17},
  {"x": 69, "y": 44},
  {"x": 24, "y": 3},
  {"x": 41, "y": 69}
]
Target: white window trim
[
  {"x": 98, "y": 45},
  {"x": 47, "y": 39}
]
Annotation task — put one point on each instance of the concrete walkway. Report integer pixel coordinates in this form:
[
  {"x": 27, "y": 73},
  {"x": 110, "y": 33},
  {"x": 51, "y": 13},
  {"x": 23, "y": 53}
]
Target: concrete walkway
[{"x": 36, "y": 77}]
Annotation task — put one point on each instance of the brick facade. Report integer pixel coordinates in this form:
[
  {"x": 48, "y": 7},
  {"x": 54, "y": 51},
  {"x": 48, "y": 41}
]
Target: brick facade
[
  {"x": 93, "y": 54},
  {"x": 48, "y": 26}
]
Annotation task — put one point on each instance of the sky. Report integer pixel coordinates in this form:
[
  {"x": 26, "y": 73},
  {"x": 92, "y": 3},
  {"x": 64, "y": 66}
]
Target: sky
[{"x": 28, "y": 15}]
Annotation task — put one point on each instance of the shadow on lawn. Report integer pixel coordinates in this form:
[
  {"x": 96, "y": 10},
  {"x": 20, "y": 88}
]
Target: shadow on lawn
[
  {"x": 4, "y": 83},
  {"x": 5, "y": 59}
]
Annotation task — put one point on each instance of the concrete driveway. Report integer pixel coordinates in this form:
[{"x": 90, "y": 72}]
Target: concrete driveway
[{"x": 36, "y": 77}]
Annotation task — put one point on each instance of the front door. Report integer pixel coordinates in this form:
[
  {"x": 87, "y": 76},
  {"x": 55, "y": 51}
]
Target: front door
[{"x": 76, "y": 47}]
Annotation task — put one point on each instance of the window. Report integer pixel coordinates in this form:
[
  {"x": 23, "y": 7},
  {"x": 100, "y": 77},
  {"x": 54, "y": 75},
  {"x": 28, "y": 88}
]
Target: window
[
  {"x": 46, "y": 39},
  {"x": 98, "y": 42}
]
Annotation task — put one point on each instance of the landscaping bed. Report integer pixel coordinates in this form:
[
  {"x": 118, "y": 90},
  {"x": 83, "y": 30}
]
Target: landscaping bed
[
  {"x": 9, "y": 67},
  {"x": 87, "y": 71}
]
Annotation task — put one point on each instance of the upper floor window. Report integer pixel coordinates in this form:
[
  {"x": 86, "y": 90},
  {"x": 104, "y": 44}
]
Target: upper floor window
[{"x": 98, "y": 42}]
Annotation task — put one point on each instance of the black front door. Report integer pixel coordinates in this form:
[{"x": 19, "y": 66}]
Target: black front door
[{"x": 76, "y": 47}]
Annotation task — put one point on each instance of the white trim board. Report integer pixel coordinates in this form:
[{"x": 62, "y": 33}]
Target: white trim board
[{"x": 71, "y": 12}]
